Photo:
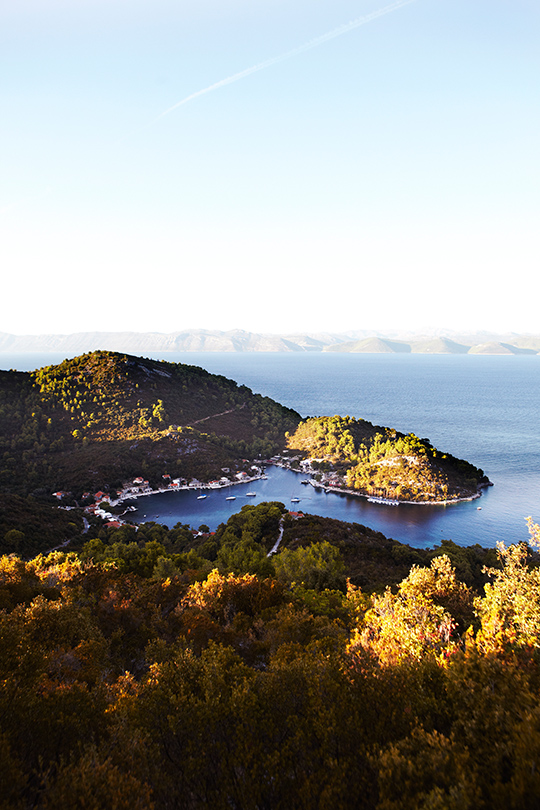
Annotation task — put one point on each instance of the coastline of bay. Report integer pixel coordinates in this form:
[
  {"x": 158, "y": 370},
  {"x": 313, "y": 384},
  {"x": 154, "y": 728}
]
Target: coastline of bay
[{"x": 480, "y": 408}]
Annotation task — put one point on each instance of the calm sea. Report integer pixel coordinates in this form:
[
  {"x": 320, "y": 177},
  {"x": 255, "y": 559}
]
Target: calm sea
[{"x": 485, "y": 409}]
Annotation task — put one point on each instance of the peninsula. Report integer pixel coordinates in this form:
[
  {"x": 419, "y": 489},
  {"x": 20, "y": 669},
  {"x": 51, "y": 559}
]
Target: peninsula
[{"x": 380, "y": 463}]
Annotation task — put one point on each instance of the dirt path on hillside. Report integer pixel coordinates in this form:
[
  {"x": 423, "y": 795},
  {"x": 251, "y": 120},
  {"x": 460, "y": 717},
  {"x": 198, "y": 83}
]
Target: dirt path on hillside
[{"x": 214, "y": 415}]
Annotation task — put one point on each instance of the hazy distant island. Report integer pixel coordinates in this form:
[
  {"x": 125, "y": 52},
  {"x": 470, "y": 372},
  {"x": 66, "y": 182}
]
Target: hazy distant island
[{"x": 238, "y": 340}]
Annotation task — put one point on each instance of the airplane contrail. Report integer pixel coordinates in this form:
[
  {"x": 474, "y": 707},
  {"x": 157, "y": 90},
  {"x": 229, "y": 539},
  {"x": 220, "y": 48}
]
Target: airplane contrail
[{"x": 312, "y": 43}]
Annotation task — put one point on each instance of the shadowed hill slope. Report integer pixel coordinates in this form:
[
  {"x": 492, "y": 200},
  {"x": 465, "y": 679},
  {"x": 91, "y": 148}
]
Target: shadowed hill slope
[{"x": 90, "y": 421}]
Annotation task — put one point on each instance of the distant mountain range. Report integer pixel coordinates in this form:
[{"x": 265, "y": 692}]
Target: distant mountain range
[
  {"x": 238, "y": 340},
  {"x": 442, "y": 345}
]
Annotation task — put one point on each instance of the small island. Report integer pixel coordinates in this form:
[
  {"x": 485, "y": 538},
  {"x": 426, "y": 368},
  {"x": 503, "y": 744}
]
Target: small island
[{"x": 353, "y": 455}]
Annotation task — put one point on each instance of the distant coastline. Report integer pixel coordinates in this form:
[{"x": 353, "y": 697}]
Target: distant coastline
[{"x": 238, "y": 340}]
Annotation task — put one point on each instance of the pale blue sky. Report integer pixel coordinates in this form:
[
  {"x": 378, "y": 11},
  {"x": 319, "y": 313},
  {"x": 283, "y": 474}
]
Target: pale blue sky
[{"x": 387, "y": 178}]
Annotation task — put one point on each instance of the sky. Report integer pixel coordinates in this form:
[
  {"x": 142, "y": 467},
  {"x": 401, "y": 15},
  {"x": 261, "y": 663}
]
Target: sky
[{"x": 269, "y": 165}]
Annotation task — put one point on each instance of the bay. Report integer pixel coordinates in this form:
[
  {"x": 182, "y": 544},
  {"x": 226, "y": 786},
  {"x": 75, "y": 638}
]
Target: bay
[{"x": 481, "y": 408}]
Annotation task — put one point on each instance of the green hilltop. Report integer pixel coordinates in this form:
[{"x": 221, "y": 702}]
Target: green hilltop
[
  {"x": 381, "y": 462},
  {"x": 94, "y": 420}
]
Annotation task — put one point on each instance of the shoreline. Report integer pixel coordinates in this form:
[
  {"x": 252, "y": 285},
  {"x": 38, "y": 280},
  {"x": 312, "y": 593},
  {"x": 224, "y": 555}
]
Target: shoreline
[
  {"x": 397, "y": 502},
  {"x": 130, "y": 496},
  {"x": 387, "y": 501}
]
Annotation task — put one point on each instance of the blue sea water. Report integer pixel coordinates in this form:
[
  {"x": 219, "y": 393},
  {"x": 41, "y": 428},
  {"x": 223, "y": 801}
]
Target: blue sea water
[{"x": 481, "y": 408}]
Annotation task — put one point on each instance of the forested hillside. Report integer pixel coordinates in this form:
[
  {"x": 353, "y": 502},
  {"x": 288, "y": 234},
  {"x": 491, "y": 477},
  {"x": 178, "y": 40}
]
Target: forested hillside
[
  {"x": 160, "y": 671},
  {"x": 380, "y": 461},
  {"x": 94, "y": 420}
]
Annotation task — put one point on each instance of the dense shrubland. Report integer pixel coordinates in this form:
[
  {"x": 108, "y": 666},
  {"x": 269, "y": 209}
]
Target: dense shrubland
[{"x": 159, "y": 669}]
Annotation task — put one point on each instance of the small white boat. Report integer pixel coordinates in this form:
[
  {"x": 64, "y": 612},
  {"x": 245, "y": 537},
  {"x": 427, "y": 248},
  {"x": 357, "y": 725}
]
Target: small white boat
[
  {"x": 201, "y": 497},
  {"x": 383, "y": 501},
  {"x": 230, "y": 498},
  {"x": 295, "y": 500},
  {"x": 250, "y": 494}
]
